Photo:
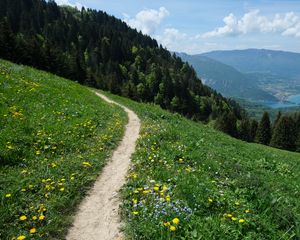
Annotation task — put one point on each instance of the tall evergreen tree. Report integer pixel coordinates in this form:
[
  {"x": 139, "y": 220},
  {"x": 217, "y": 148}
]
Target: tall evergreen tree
[
  {"x": 278, "y": 116},
  {"x": 253, "y": 130},
  {"x": 227, "y": 124},
  {"x": 263, "y": 134},
  {"x": 284, "y": 135},
  {"x": 244, "y": 130}
]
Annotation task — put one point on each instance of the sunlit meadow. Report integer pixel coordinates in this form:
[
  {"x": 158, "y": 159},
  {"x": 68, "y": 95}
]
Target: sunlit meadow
[
  {"x": 188, "y": 181},
  {"x": 55, "y": 137}
]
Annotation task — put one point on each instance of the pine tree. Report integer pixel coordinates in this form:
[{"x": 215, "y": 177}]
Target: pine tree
[
  {"x": 263, "y": 134},
  {"x": 253, "y": 130},
  {"x": 277, "y": 119},
  {"x": 297, "y": 142},
  {"x": 284, "y": 135},
  {"x": 227, "y": 124},
  {"x": 244, "y": 130}
]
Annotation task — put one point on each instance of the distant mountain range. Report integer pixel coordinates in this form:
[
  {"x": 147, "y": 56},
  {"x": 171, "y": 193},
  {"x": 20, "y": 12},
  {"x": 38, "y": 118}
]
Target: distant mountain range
[
  {"x": 252, "y": 74},
  {"x": 225, "y": 79},
  {"x": 260, "y": 61}
]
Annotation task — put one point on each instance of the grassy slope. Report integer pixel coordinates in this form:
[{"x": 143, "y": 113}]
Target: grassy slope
[
  {"x": 55, "y": 137},
  {"x": 218, "y": 187}
]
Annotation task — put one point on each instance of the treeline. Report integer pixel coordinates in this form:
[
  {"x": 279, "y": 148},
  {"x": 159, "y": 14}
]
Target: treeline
[
  {"x": 284, "y": 133},
  {"x": 101, "y": 51}
]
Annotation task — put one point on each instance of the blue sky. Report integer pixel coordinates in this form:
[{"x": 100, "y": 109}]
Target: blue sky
[{"x": 195, "y": 26}]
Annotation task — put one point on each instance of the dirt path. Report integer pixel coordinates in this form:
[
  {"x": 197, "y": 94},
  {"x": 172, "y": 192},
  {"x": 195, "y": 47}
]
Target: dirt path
[{"x": 97, "y": 217}]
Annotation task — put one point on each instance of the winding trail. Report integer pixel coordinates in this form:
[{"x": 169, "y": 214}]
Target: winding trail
[{"x": 97, "y": 217}]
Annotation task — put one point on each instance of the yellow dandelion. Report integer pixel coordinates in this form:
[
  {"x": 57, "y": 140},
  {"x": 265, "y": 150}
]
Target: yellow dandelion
[
  {"x": 229, "y": 215},
  {"x": 172, "y": 228},
  {"x": 23, "y": 218},
  {"x": 23, "y": 190},
  {"x": 233, "y": 218},
  {"x": 241, "y": 220},
  {"x": 41, "y": 217},
  {"x": 247, "y": 211},
  {"x": 210, "y": 200},
  {"x": 176, "y": 221},
  {"x": 156, "y": 188},
  {"x": 22, "y": 237},
  {"x": 146, "y": 191},
  {"x": 10, "y": 147},
  {"x": 86, "y": 164},
  {"x": 34, "y": 218},
  {"x": 134, "y": 201},
  {"x": 8, "y": 195},
  {"x": 32, "y": 230},
  {"x": 135, "y": 213},
  {"x": 166, "y": 224},
  {"x": 62, "y": 189}
]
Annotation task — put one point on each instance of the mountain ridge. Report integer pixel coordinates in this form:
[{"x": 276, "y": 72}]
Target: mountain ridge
[
  {"x": 259, "y": 60},
  {"x": 225, "y": 78}
]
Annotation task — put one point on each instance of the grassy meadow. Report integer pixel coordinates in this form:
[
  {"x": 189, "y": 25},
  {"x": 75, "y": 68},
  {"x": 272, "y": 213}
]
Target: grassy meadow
[
  {"x": 55, "y": 137},
  {"x": 188, "y": 181}
]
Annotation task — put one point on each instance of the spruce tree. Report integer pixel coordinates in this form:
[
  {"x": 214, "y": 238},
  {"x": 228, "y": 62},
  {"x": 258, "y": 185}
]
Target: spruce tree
[
  {"x": 278, "y": 116},
  {"x": 263, "y": 134},
  {"x": 244, "y": 130},
  {"x": 227, "y": 124},
  {"x": 297, "y": 143},
  {"x": 253, "y": 129},
  {"x": 284, "y": 135}
]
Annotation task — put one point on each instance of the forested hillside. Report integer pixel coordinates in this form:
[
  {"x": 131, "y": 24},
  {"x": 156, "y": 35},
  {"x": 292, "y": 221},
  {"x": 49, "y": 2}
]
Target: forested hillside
[{"x": 99, "y": 50}]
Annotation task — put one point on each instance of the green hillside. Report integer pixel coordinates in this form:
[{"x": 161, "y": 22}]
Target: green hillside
[
  {"x": 55, "y": 137},
  {"x": 101, "y": 51},
  {"x": 216, "y": 186},
  {"x": 187, "y": 181}
]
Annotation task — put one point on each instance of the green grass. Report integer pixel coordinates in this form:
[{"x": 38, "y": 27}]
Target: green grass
[
  {"x": 55, "y": 137},
  {"x": 218, "y": 187},
  {"x": 185, "y": 176}
]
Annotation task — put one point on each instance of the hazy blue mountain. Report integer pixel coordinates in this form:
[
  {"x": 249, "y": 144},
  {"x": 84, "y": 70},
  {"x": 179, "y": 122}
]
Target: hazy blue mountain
[
  {"x": 226, "y": 79},
  {"x": 260, "y": 61}
]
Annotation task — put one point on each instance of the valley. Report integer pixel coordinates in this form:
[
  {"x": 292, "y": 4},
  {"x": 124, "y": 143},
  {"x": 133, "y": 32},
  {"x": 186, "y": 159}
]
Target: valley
[{"x": 273, "y": 80}]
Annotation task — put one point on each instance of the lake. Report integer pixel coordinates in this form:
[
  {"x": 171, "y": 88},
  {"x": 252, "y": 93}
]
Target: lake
[{"x": 291, "y": 101}]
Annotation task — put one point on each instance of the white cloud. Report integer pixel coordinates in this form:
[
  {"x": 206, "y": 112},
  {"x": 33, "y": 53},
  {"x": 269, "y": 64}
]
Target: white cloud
[
  {"x": 287, "y": 24},
  {"x": 171, "y": 37},
  {"x": 293, "y": 31},
  {"x": 66, "y": 2},
  {"x": 147, "y": 20}
]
